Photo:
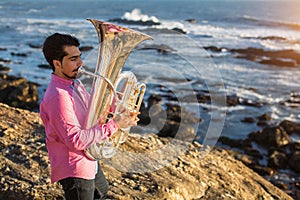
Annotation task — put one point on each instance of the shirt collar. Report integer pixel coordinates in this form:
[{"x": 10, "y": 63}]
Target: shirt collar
[{"x": 58, "y": 79}]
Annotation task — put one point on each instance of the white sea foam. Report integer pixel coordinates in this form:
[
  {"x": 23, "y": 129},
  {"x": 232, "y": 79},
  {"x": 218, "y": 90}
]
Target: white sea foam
[{"x": 136, "y": 15}]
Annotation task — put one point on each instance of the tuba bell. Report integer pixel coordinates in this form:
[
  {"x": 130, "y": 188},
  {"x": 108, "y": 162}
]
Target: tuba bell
[{"x": 116, "y": 43}]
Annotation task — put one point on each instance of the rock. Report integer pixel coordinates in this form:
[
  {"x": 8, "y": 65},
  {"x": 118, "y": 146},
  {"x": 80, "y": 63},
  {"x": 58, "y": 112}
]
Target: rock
[
  {"x": 249, "y": 102},
  {"x": 264, "y": 117},
  {"x": 248, "y": 120},
  {"x": 35, "y": 45},
  {"x": 176, "y": 169},
  {"x": 239, "y": 143},
  {"x": 282, "y": 158},
  {"x": 173, "y": 121},
  {"x": 5, "y": 60},
  {"x": 192, "y": 21},
  {"x": 4, "y": 69},
  {"x": 278, "y": 160},
  {"x": 179, "y": 30},
  {"x": 18, "y": 92},
  {"x": 271, "y": 137},
  {"x": 294, "y": 161},
  {"x": 232, "y": 100},
  {"x": 19, "y": 54},
  {"x": 215, "y": 49},
  {"x": 164, "y": 49},
  {"x": 290, "y": 127},
  {"x": 263, "y": 171},
  {"x": 253, "y": 152},
  {"x": 44, "y": 66},
  {"x": 281, "y": 58},
  {"x": 279, "y": 62},
  {"x": 295, "y": 146},
  {"x": 264, "y": 120}
]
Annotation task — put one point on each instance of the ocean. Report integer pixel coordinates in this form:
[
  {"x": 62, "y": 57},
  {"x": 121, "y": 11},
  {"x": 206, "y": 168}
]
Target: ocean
[{"x": 191, "y": 67}]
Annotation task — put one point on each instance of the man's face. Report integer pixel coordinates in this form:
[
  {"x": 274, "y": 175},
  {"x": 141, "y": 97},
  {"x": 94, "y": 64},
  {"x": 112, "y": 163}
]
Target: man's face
[{"x": 68, "y": 67}]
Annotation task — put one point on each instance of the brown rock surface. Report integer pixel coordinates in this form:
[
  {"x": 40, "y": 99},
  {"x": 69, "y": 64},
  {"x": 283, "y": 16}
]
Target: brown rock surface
[{"x": 146, "y": 167}]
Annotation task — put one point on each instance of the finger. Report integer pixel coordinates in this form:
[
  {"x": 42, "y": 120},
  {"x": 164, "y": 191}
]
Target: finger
[{"x": 134, "y": 114}]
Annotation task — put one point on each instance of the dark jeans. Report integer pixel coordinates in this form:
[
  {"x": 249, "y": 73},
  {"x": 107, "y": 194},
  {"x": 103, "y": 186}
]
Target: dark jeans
[{"x": 83, "y": 189}]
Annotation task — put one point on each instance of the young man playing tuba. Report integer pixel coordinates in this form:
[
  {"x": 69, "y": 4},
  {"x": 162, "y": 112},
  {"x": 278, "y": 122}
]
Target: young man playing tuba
[{"x": 63, "y": 111}]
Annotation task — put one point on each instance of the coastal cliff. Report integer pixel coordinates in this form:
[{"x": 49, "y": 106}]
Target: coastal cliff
[{"x": 184, "y": 171}]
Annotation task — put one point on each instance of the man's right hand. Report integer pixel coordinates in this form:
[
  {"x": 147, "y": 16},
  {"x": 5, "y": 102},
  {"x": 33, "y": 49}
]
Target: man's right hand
[{"x": 126, "y": 119}]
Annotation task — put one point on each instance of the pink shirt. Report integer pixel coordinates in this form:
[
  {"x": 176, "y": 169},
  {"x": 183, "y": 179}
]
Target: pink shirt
[{"x": 63, "y": 112}]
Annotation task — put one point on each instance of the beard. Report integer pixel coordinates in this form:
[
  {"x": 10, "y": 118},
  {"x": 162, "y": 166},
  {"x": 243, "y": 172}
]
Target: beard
[
  {"x": 75, "y": 71},
  {"x": 70, "y": 77}
]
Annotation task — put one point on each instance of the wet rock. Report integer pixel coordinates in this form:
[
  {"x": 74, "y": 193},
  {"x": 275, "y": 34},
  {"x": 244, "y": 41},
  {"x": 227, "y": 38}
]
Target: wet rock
[
  {"x": 264, "y": 120},
  {"x": 4, "y": 68},
  {"x": 239, "y": 143},
  {"x": 164, "y": 49},
  {"x": 5, "y": 60},
  {"x": 271, "y": 137},
  {"x": 295, "y": 146},
  {"x": 290, "y": 127},
  {"x": 232, "y": 100},
  {"x": 279, "y": 62},
  {"x": 283, "y": 153},
  {"x": 173, "y": 121},
  {"x": 294, "y": 161},
  {"x": 248, "y": 120},
  {"x": 215, "y": 49},
  {"x": 249, "y": 102},
  {"x": 200, "y": 97},
  {"x": 18, "y": 92},
  {"x": 19, "y": 54},
  {"x": 282, "y": 58},
  {"x": 278, "y": 160},
  {"x": 44, "y": 66},
  {"x": 35, "y": 45},
  {"x": 179, "y": 30},
  {"x": 278, "y": 38},
  {"x": 192, "y": 21},
  {"x": 264, "y": 117},
  {"x": 249, "y": 150}
]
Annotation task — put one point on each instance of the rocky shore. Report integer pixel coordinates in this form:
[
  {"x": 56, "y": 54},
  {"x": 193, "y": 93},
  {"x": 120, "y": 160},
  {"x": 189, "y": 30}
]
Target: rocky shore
[
  {"x": 194, "y": 173},
  {"x": 263, "y": 166}
]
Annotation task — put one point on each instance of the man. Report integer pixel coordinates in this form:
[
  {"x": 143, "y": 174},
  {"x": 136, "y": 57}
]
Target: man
[{"x": 63, "y": 111}]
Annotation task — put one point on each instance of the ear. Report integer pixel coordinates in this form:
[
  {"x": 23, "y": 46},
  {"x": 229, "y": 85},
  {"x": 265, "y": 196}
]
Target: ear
[{"x": 57, "y": 64}]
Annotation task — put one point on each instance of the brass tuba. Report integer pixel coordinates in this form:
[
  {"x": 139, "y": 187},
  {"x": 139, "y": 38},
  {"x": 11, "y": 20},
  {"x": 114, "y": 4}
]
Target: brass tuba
[{"x": 116, "y": 43}]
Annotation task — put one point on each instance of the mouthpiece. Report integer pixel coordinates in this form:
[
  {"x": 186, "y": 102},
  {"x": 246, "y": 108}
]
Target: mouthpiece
[{"x": 83, "y": 71}]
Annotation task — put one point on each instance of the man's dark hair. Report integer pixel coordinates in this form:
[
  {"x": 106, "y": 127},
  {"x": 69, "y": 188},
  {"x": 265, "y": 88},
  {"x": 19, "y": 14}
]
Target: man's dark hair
[{"x": 53, "y": 47}]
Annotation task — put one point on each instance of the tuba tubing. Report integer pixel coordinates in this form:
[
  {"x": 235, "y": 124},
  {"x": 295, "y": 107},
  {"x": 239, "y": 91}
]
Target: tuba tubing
[
  {"x": 131, "y": 96},
  {"x": 115, "y": 45}
]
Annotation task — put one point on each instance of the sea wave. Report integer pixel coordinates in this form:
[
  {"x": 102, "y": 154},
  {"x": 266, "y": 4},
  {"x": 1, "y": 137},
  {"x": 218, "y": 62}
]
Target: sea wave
[
  {"x": 137, "y": 18},
  {"x": 137, "y": 15}
]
